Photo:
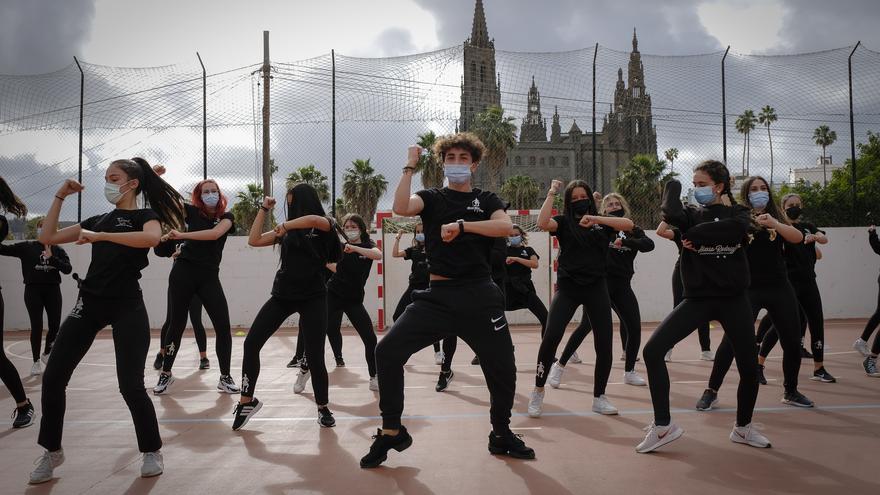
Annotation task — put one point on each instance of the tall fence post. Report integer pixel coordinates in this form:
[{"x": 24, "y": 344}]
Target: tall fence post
[
  {"x": 852, "y": 134},
  {"x": 204, "y": 119},
  {"x": 595, "y": 174},
  {"x": 333, "y": 133},
  {"x": 724, "y": 106},
  {"x": 267, "y": 168},
  {"x": 82, "y": 92}
]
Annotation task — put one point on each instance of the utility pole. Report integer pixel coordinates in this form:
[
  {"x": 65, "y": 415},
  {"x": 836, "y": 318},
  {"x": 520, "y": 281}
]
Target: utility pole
[{"x": 267, "y": 167}]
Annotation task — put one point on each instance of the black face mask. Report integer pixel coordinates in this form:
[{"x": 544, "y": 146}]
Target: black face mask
[
  {"x": 617, "y": 213},
  {"x": 580, "y": 207},
  {"x": 793, "y": 212}
]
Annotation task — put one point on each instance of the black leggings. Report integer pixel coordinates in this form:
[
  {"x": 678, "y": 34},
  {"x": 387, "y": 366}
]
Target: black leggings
[
  {"x": 678, "y": 297},
  {"x": 8, "y": 373},
  {"x": 536, "y": 306},
  {"x": 809, "y": 311},
  {"x": 734, "y": 314},
  {"x": 195, "y": 319},
  {"x": 872, "y": 324},
  {"x": 597, "y": 311},
  {"x": 313, "y": 319},
  {"x": 471, "y": 310},
  {"x": 625, "y": 304},
  {"x": 359, "y": 318},
  {"x": 131, "y": 341},
  {"x": 38, "y": 297},
  {"x": 780, "y": 302},
  {"x": 185, "y": 281}
]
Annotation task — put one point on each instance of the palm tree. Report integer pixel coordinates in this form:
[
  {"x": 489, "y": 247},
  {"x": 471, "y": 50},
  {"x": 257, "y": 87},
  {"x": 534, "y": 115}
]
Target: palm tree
[
  {"x": 744, "y": 125},
  {"x": 824, "y": 137},
  {"x": 498, "y": 134},
  {"x": 641, "y": 183},
  {"x": 362, "y": 189},
  {"x": 765, "y": 118},
  {"x": 430, "y": 168},
  {"x": 522, "y": 191},
  {"x": 313, "y": 177},
  {"x": 245, "y": 209},
  {"x": 671, "y": 155}
]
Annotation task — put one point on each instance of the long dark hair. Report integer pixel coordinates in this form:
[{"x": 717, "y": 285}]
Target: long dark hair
[
  {"x": 304, "y": 200},
  {"x": 10, "y": 202},
  {"x": 362, "y": 226},
  {"x": 771, "y": 207},
  {"x": 718, "y": 172},
  {"x": 162, "y": 198}
]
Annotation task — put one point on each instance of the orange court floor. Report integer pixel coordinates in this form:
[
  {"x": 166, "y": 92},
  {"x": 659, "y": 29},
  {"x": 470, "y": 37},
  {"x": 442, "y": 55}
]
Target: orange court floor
[{"x": 828, "y": 449}]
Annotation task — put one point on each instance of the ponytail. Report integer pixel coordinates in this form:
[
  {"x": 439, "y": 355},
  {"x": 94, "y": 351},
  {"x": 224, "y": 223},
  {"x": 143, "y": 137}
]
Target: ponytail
[
  {"x": 10, "y": 202},
  {"x": 162, "y": 198}
]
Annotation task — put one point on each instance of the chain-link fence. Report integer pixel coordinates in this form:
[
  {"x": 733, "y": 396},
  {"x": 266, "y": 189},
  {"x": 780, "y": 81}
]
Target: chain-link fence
[{"x": 620, "y": 120}]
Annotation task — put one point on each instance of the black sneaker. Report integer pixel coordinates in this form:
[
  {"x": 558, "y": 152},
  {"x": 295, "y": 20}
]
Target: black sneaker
[
  {"x": 708, "y": 400},
  {"x": 157, "y": 363},
  {"x": 761, "y": 379},
  {"x": 509, "y": 444},
  {"x": 806, "y": 354},
  {"x": 294, "y": 363},
  {"x": 821, "y": 375},
  {"x": 243, "y": 412},
  {"x": 475, "y": 361},
  {"x": 443, "y": 381},
  {"x": 870, "y": 365},
  {"x": 340, "y": 363},
  {"x": 204, "y": 364},
  {"x": 325, "y": 417},
  {"x": 382, "y": 444},
  {"x": 23, "y": 416},
  {"x": 796, "y": 399}
]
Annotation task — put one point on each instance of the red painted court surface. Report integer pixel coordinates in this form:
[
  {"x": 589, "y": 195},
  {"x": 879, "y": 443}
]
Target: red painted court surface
[{"x": 825, "y": 450}]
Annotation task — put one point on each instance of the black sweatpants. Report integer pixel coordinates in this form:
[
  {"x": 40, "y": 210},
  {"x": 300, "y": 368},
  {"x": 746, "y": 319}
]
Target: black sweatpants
[
  {"x": 780, "y": 302},
  {"x": 8, "y": 373},
  {"x": 185, "y": 281},
  {"x": 872, "y": 324},
  {"x": 131, "y": 341},
  {"x": 37, "y": 298},
  {"x": 735, "y": 316},
  {"x": 195, "y": 319},
  {"x": 625, "y": 304},
  {"x": 313, "y": 321},
  {"x": 450, "y": 344},
  {"x": 809, "y": 312},
  {"x": 359, "y": 318},
  {"x": 597, "y": 311},
  {"x": 472, "y": 310},
  {"x": 678, "y": 297}
]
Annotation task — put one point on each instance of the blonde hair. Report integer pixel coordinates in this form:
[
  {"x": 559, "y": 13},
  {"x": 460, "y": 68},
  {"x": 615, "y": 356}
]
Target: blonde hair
[{"x": 623, "y": 203}]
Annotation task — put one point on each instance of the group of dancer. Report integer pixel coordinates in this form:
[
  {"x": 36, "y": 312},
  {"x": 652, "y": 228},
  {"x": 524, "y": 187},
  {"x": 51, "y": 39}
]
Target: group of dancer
[{"x": 470, "y": 264}]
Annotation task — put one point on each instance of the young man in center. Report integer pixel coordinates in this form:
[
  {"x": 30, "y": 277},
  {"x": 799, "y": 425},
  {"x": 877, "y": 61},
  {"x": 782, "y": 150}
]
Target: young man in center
[{"x": 460, "y": 226}]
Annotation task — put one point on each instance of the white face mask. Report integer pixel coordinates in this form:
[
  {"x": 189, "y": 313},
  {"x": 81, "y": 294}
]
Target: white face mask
[
  {"x": 353, "y": 235},
  {"x": 211, "y": 199},
  {"x": 112, "y": 193}
]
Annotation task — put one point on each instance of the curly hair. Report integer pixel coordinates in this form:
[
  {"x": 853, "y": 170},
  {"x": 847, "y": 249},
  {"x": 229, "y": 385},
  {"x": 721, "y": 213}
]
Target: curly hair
[{"x": 467, "y": 141}]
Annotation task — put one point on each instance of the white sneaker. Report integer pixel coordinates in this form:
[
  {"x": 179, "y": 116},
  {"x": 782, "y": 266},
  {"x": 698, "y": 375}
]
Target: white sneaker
[
  {"x": 862, "y": 346},
  {"x": 659, "y": 436},
  {"x": 707, "y": 356},
  {"x": 668, "y": 356},
  {"x": 301, "y": 379},
  {"x": 574, "y": 359},
  {"x": 633, "y": 378},
  {"x": 164, "y": 385},
  {"x": 536, "y": 403},
  {"x": 37, "y": 368},
  {"x": 153, "y": 464},
  {"x": 555, "y": 376},
  {"x": 602, "y": 406},
  {"x": 374, "y": 383},
  {"x": 227, "y": 385},
  {"x": 44, "y": 358},
  {"x": 749, "y": 435},
  {"x": 439, "y": 357},
  {"x": 46, "y": 463}
]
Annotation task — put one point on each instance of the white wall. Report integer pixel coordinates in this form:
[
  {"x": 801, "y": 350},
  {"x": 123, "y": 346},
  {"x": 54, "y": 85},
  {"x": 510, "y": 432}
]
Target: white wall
[{"x": 847, "y": 280}]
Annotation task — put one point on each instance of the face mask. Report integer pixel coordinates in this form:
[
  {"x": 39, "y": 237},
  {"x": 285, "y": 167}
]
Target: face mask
[
  {"x": 704, "y": 195},
  {"x": 581, "y": 207},
  {"x": 111, "y": 192},
  {"x": 515, "y": 240},
  {"x": 420, "y": 237},
  {"x": 759, "y": 199},
  {"x": 211, "y": 199},
  {"x": 793, "y": 212},
  {"x": 353, "y": 235},
  {"x": 457, "y": 174},
  {"x": 616, "y": 213}
]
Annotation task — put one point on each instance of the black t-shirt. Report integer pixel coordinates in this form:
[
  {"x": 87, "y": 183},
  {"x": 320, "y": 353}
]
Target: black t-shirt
[
  {"x": 800, "y": 258},
  {"x": 583, "y": 252},
  {"x": 418, "y": 275},
  {"x": 205, "y": 253},
  {"x": 498, "y": 261},
  {"x": 4, "y": 228},
  {"x": 766, "y": 259},
  {"x": 516, "y": 271},
  {"x": 301, "y": 275},
  {"x": 35, "y": 269},
  {"x": 467, "y": 256},
  {"x": 115, "y": 269},
  {"x": 620, "y": 259},
  {"x": 351, "y": 275}
]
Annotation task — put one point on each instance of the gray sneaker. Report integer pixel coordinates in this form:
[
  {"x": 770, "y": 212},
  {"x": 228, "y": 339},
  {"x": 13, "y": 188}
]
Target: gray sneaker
[
  {"x": 46, "y": 464},
  {"x": 153, "y": 464}
]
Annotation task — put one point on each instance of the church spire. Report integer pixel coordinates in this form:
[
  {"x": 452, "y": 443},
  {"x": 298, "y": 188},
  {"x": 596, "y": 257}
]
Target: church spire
[
  {"x": 635, "y": 41},
  {"x": 479, "y": 31}
]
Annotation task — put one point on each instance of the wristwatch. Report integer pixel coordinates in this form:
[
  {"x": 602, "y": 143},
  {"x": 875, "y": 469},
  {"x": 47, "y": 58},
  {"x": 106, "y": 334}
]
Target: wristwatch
[{"x": 460, "y": 226}]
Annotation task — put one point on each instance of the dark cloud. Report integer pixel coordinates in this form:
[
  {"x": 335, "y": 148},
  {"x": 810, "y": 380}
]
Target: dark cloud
[
  {"x": 38, "y": 36},
  {"x": 812, "y": 25}
]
